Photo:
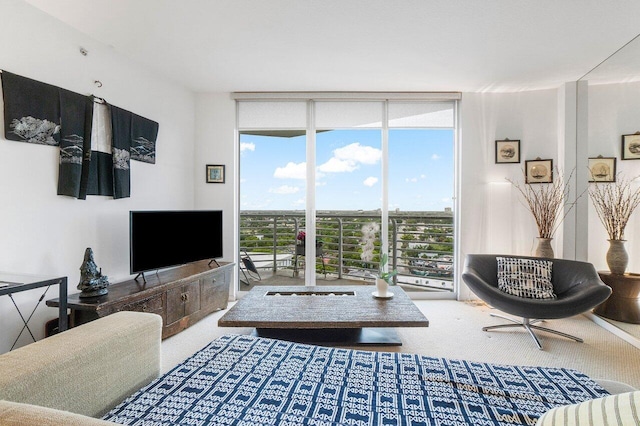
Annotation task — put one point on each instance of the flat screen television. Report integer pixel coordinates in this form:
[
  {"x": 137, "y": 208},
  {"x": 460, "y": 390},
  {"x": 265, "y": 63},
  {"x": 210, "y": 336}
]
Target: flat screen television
[{"x": 165, "y": 238}]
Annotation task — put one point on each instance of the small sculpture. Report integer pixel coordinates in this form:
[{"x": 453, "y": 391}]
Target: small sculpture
[{"x": 92, "y": 282}]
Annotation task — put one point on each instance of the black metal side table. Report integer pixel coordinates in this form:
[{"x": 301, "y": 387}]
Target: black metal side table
[{"x": 14, "y": 283}]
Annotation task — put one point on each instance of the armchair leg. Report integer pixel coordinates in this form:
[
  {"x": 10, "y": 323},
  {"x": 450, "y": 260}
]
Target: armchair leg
[{"x": 528, "y": 324}]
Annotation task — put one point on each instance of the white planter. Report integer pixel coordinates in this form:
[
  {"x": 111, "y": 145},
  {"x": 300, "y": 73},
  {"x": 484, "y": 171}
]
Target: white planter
[{"x": 382, "y": 287}]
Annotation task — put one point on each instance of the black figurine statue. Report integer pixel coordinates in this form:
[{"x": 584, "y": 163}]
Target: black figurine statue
[{"x": 92, "y": 282}]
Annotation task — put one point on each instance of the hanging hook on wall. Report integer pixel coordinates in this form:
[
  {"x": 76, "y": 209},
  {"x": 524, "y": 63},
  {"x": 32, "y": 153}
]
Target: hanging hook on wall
[{"x": 98, "y": 83}]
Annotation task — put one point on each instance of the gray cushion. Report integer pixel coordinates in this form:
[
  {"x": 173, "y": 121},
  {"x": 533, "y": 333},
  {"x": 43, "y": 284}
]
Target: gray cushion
[{"x": 529, "y": 278}]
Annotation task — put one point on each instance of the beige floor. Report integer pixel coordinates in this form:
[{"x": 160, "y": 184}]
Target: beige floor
[
  {"x": 632, "y": 329},
  {"x": 455, "y": 332}
]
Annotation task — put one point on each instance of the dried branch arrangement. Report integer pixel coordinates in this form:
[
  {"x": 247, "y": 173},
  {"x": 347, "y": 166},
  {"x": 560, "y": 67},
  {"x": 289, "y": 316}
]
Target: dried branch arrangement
[
  {"x": 614, "y": 203},
  {"x": 546, "y": 202}
]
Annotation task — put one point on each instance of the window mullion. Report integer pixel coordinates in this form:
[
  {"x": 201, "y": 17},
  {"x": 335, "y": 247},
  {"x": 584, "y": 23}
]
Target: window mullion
[{"x": 310, "y": 211}]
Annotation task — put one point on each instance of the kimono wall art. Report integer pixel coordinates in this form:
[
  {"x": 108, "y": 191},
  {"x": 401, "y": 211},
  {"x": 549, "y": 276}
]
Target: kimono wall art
[{"x": 97, "y": 140}]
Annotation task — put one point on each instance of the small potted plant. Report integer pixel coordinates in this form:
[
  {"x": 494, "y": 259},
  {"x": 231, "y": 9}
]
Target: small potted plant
[{"x": 384, "y": 278}]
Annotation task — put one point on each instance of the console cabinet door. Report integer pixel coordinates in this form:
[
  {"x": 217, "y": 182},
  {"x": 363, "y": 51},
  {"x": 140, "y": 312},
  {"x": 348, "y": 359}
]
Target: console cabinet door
[
  {"x": 183, "y": 301},
  {"x": 214, "y": 291},
  {"x": 191, "y": 298},
  {"x": 175, "y": 305}
]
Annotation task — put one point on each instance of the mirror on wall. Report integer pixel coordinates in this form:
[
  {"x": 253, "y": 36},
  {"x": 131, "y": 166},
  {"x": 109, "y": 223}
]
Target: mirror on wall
[{"x": 613, "y": 110}]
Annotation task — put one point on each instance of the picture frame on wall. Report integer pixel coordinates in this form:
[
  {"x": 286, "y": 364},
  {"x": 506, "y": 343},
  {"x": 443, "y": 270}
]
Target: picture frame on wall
[
  {"x": 215, "y": 173},
  {"x": 631, "y": 146},
  {"x": 539, "y": 171},
  {"x": 602, "y": 169},
  {"x": 507, "y": 151}
]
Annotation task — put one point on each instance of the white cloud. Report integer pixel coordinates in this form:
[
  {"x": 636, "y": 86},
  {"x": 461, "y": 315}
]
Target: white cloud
[
  {"x": 370, "y": 181},
  {"x": 291, "y": 171},
  {"x": 348, "y": 158},
  {"x": 423, "y": 176},
  {"x": 336, "y": 165},
  {"x": 411, "y": 179},
  {"x": 247, "y": 146},
  {"x": 284, "y": 189},
  {"x": 435, "y": 157},
  {"x": 358, "y": 153}
]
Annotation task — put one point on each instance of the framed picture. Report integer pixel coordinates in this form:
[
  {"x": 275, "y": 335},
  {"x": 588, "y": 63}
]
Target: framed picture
[
  {"x": 602, "y": 169},
  {"x": 215, "y": 173},
  {"x": 507, "y": 151},
  {"x": 539, "y": 171},
  {"x": 631, "y": 147}
]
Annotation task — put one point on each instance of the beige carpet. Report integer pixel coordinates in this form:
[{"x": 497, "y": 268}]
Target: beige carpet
[
  {"x": 632, "y": 329},
  {"x": 455, "y": 332}
]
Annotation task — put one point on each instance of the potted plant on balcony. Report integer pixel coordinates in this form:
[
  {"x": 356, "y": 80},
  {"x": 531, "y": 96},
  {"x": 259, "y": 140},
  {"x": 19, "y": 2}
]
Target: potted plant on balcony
[
  {"x": 614, "y": 203},
  {"x": 301, "y": 239}
]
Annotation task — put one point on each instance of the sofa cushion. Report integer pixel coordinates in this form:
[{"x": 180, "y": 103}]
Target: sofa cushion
[
  {"x": 621, "y": 409},
  {"x": 530, "y": 278},
  {"x": 87, "y": 369},
  {"x": 18, "y": 414}
]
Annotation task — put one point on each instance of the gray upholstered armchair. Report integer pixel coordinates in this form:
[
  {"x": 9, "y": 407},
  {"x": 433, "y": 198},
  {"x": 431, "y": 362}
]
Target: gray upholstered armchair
[{"x": 577, "y": 286}]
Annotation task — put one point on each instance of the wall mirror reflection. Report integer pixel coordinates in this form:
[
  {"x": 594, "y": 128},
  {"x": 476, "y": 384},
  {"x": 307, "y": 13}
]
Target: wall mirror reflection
[{"x": 613, "y": 101}]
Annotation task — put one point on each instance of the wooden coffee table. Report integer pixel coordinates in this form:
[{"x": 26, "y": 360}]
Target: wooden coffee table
[{"x": 335, "y": 315}]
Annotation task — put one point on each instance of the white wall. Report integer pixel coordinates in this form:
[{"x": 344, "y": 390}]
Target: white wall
[
  {"x": 493, "y": 217},
  {"x": 43, "y": 233},
  {"x": 613, "y": 112},
  {"x": 215, "y": 136}
]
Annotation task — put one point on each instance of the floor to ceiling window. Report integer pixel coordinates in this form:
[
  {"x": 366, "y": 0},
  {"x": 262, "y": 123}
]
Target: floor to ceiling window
[{"x": 314, "y": 172}]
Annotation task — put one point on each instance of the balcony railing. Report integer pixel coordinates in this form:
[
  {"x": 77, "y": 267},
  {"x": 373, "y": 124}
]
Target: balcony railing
[{"x": 420, "y": 244}]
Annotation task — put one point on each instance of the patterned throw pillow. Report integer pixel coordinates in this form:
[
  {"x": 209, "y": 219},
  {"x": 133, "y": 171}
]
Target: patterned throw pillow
[
  {"x": 529, "y": 278},
  {"x": 621, "y": 409}
]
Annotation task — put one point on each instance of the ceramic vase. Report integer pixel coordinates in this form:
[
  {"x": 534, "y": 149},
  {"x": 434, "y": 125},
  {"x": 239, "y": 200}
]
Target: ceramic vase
[
  {"x": 544, "y": 248},
  {"x": 382, "y": 287},
  {"x": 617, "y": 257}
]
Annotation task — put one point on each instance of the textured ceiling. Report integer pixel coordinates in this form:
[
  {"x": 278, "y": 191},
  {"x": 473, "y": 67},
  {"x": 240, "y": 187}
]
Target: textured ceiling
[{"x": 358, "y": 45}]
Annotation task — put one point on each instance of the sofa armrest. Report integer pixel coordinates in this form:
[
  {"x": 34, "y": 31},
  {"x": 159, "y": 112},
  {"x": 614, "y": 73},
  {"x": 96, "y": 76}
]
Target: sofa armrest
[
  {"x": 17, "y": 414},
  {"x": 88, "y": 369}
]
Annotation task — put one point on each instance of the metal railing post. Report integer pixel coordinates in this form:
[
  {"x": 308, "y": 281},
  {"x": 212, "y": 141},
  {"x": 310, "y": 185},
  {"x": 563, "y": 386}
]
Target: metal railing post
[
  {"x": 394, "y": 248},
  {"x": 275, "y": 244}
]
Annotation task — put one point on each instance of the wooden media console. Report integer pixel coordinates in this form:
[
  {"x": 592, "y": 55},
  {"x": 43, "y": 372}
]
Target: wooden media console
[{"x": 182, "y": 296}]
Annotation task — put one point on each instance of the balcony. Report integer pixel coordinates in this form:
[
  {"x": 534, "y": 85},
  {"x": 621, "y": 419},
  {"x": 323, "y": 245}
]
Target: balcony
[{"x": 420, "y": 248}]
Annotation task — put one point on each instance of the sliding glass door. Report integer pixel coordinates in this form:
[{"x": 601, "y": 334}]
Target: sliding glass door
[{"x": 315, "y": 175}]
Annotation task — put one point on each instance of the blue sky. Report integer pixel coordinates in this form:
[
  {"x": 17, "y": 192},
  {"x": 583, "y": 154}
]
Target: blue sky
[{"x": 348, "y": 171}]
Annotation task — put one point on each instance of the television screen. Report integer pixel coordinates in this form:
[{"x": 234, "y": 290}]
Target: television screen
[{"x": 164, "y": 238}]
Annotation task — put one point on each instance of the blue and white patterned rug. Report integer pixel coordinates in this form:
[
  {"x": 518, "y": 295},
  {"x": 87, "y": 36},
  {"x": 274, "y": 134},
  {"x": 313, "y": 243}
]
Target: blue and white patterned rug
[{"x": 244, "y": 380}]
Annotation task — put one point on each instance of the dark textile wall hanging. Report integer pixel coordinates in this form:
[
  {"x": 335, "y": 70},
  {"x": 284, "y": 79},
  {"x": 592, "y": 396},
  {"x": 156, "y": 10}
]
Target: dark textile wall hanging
[
  {"x": 76, "y": 115},
  {"x": 31, "y": 110},
  {"x": 40, "y": 113},
  {"x": 121, "y": 128},
  {"x": 144, "y": 133}
]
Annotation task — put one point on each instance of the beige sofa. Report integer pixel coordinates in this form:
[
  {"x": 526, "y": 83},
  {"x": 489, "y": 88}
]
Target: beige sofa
[{"x": 75, "y": 377}]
